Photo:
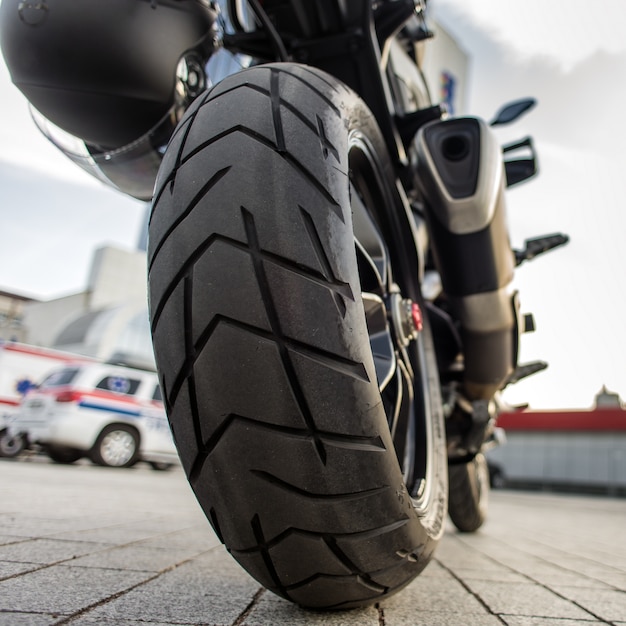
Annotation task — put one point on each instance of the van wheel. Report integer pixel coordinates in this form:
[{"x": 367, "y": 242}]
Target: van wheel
[
  {"x": 64, "y": 456},
  {"x": 11, "y": 445},
  {"x": 116, "y": 446}
]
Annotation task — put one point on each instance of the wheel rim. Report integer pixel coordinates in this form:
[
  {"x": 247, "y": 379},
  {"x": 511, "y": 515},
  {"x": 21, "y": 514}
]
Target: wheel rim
[
  {"x": 118, "y": 448},
  {"x": 482, "y": 481},
  {"x": 10, "y": 446},
  {"x": 402, "y": 383}
]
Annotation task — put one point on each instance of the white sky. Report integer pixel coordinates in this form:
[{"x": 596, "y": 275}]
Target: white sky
[
  {"x": 563, "y": 31},
  {"x": 569, "y": 54}
]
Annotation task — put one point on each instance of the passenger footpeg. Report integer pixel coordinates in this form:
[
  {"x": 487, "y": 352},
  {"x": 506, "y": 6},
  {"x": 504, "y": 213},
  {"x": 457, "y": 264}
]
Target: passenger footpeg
[
  {"x": 467, "y": 429},
  {"x": 539, "y": 245},
  {"x": 526, "y": 369}
]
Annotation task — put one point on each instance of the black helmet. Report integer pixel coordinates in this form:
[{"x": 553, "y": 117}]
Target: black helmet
[{"x": 105, "y": 71}]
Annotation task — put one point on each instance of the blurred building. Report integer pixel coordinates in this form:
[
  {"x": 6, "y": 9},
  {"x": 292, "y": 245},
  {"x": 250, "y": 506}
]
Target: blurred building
[
  {"x": 12, "y": 307},
  {"x": 108, "y": 320},
  {"x": 574, "y": 449}
]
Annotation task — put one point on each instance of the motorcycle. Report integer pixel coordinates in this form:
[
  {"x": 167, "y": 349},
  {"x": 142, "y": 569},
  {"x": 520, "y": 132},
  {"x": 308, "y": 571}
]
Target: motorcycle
[{"x": 329, "y": 265}]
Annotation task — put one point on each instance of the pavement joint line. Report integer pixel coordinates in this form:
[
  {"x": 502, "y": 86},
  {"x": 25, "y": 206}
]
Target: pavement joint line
[
  {"x": 244, "y": 614},
  {"x": 381, "y": 614},
  {"x": 43, "y": 613},
  {"x": 580, "y": 606},
  {"x": 470, "y": 590},
  {"x": 70, "y": 618},
  {"x": 543, "y": 559},
  {"x": 39, "y": 567},
  {"x": 535, "y": 581},
  {"x": 113, "y": 526},
  {"x": 551, "y": 560},
  {"x": 43, "y": 566},
  {"x": 101, "y": 551},
  {"x": 567, "y": 569}
]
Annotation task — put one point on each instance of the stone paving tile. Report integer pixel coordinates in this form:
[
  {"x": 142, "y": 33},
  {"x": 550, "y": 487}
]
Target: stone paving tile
[
  {"x": 608, "y": 604},
  {"x": 555, "y": 549},
  {"x": 137, "y": 557},
  {"x": 7, "y": 570},
  {"x": 139, "y": 526},
  {"x": 103, "y": 621},
  {"x": 526, "y": 599},
  {"x": 28, "y": 619},
  {"x": 47, "y": 550},
  {"x": 434, "y": 569},
  {"x": 539, "y": 560},
  {"x": 512, "y": 620},
  {"x": 571, "y": 572},
  {"x": 427, "y": 618},
  {"x": 453, "y": 551},
  {"x": 25, "y": 526},
  {"x": 211, "y": 589},
  {"x": 568, "y": 570},
  {"x": 7, "y": 539},
  {"x": 117, "y": 534},
  {"x": 496, "y": 575},
  {"x": 432, "y": 595},
  {"x": 273, "y": 610},
  {"x": 200, "y": 537},
  {"x": 548, "y": 574},
  {"x": 62, "y": 589},
  {"x": 594, "y": 570}
]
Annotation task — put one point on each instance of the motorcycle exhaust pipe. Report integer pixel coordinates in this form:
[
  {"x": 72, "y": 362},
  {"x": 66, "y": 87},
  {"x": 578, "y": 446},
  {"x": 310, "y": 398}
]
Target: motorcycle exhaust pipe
[{"x": 461, "y": 175}]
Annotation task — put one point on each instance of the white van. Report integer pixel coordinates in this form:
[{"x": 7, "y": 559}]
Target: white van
[{"x": 105, "y": 412}]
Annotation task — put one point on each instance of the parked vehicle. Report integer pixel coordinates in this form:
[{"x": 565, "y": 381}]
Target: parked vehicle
[
  {"x": 316, "y": 390},
  {"x": 157, "y": 446},
  {"x": 111, "y": 414},
  {"x": 21, "y": 367}
]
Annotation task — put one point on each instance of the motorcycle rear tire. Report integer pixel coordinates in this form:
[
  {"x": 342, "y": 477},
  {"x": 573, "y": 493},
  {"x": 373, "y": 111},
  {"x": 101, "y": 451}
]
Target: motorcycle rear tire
[
  {"x": 262, "y": 345},
  {"x": 469, "y": 494}
]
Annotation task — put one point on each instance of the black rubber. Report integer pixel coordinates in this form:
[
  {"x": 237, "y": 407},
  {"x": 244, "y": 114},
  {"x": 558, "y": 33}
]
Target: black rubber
[
  {"x": 262, "y": 345},
  {"x": 64, "y": 456},
  {"x": 469, "y": 494}
]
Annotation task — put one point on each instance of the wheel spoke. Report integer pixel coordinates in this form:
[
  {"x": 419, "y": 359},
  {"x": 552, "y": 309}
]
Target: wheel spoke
[
  {"x": 380, "y": 339},
  {"x": 371, "y": 252}
]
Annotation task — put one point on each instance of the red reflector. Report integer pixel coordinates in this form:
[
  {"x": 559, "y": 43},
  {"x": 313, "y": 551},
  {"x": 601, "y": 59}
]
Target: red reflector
[
  {"x": 416, "y": 314},
  {"x": 67, "y": 396}
]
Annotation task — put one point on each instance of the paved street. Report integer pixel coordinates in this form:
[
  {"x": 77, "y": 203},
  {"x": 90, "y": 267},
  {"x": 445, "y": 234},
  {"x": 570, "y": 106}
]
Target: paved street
[{"x": 88, "y": 546}]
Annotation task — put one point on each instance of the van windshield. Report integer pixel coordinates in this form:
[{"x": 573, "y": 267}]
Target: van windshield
[{"x": 60, "y": 377}]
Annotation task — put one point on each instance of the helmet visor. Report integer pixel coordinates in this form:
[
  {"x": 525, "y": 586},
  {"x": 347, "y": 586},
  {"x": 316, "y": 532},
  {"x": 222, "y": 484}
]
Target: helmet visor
[{"x": 131, "y": 169}]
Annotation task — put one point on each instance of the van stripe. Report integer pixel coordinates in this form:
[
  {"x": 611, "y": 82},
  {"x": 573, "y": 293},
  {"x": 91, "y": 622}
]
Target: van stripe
[{"x": 100, "y": 407}]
